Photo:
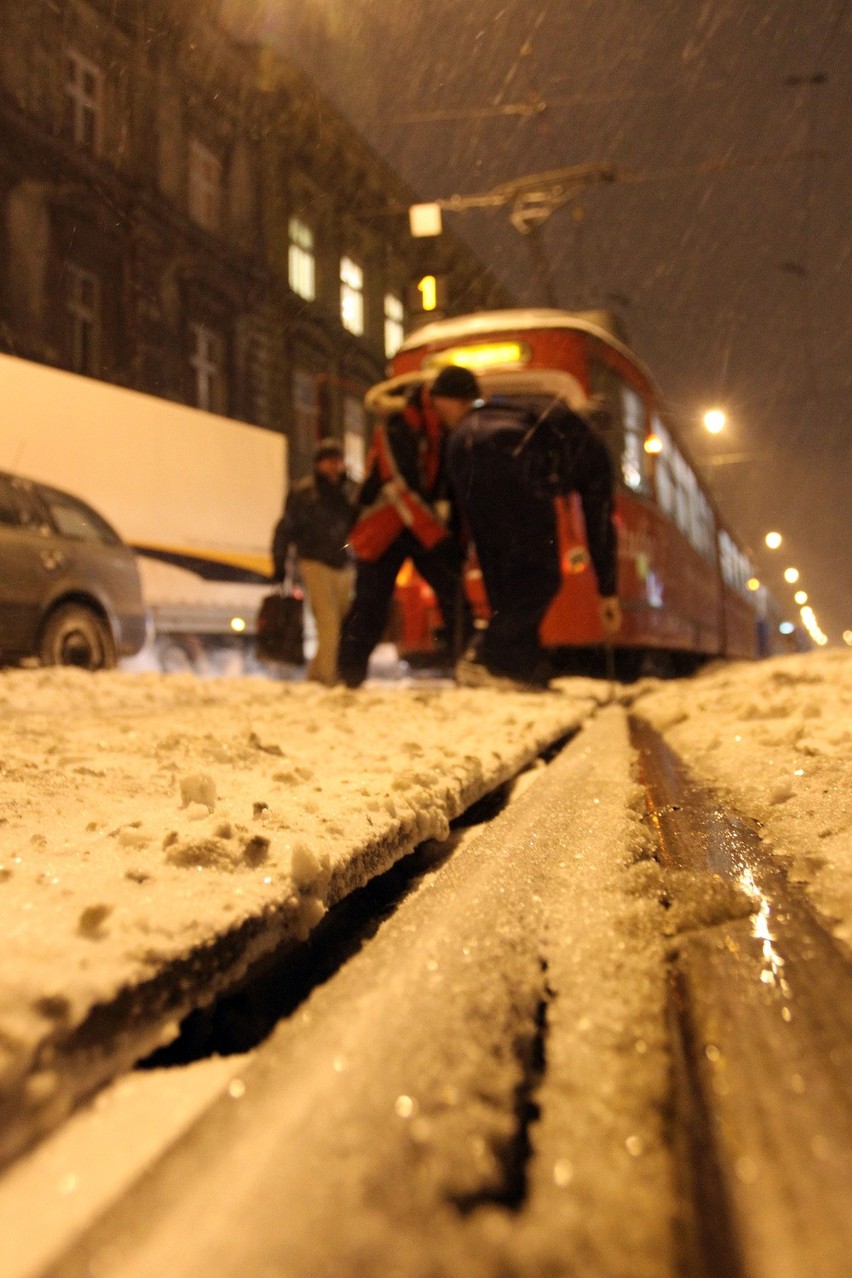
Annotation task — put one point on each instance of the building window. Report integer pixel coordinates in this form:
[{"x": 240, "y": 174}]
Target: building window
[
  {"x": 352, "y": 296},
  {"x": 83, "y": 308},
  {"x": 205, "y": 186},
  {"x": 84, "y": 100},
  {"x": 207, "y": 360},
  {"x": 394, "y": 330},
  {"x": 302, "y": 261}
]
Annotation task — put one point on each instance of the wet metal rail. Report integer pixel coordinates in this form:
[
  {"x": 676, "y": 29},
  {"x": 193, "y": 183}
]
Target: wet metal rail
[{"x": 761, "y": 1017}]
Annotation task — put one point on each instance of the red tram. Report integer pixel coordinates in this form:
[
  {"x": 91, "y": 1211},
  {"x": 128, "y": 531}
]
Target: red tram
[{"x": 683, "y": 579}]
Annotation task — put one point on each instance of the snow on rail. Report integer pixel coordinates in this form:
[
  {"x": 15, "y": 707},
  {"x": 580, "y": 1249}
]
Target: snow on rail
[
  {"x": 775, "y": 739},
  {"x": 157, "y": 834}
]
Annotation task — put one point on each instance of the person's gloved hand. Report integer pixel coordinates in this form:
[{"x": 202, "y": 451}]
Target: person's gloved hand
[{"x": 610, "y": 614}]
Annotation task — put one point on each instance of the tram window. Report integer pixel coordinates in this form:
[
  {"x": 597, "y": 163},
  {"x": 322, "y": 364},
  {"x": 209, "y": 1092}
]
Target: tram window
[
  {"x": 736, "y": 569},
  {"x": 604, "y": 383},
  {"x": 725, "y": 553},
  {"x": 634, "y": 459},
  {"x": 703, "y": 526},
  {"x": 626, "y": 441},
  {"x": 693, "y": 497},
  {"x": 662, "y": 464},
  {"x": 681, "y": 477},
  {"x": 743, "y": 572}
]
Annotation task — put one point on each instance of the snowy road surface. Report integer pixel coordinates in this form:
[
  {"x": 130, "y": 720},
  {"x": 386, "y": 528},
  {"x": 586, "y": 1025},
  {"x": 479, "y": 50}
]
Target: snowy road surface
[{"x": 485, "y": 1087}]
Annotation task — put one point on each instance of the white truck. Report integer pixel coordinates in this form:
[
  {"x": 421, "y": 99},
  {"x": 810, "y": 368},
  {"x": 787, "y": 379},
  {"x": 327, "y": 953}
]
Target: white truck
[{"x": 195, "y": 494}]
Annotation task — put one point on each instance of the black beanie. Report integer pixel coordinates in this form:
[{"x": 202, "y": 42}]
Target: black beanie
[{"x": 454, "y": 382}]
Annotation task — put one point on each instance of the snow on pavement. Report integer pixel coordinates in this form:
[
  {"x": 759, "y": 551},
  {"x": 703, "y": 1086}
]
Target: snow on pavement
[{"x": 775, "y": 737}]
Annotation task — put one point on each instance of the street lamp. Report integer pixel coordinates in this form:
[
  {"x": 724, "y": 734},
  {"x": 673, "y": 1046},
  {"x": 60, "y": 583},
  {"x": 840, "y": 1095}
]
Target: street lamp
[
  {"x": 773, "y": 540},
  {"x": 791, "y": 575},
  {"x": 801, "y": 597},
  {"x": 714, "y": 420}
]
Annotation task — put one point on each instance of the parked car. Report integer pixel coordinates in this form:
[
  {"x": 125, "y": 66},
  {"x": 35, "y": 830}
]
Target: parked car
[{"x": 70, "y": 592}]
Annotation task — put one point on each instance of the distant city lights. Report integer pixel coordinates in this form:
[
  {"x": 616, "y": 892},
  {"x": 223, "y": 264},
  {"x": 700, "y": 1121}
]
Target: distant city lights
[
  {"x": 791, "y": 575},
  {"x": 809, "y": 621},
  {"x": 773, "y": 540},
  {"x": 714, "y": 420}
]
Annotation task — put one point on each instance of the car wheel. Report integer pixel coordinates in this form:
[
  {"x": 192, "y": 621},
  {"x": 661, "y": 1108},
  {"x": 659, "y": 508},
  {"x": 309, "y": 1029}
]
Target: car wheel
[{"x": 75, "y": 635}]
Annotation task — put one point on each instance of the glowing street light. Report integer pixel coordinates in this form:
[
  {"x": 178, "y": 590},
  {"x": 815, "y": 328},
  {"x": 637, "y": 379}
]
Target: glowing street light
[
  {"x": 714, "y": 420},
  {"x": 791, "y": 575},
  {"x": 773, "y": 540},
  {"x": 801, "y": 597}
]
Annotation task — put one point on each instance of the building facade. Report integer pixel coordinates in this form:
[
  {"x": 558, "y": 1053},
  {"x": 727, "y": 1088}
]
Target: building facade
[{"x": 183, "y": 214}]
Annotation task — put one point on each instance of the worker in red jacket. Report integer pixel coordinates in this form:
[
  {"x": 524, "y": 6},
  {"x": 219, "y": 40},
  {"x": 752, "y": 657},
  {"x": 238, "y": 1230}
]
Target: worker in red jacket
[{"x": 405, "y": 512}]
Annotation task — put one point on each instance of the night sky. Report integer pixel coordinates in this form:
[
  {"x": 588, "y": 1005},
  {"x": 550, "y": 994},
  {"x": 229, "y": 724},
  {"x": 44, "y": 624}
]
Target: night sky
[{"x": 725, "y": 246}]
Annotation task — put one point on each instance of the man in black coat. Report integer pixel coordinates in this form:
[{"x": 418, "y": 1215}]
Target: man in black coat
[
  {"x": 318, "y": 515},
  {"x": 507, "y": 461}
]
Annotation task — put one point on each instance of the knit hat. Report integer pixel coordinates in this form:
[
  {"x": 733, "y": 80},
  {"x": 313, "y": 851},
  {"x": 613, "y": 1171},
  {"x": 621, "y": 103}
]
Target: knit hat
[
  {"x": 328, "y": 448},
  {"x": 454, "y": 382}
]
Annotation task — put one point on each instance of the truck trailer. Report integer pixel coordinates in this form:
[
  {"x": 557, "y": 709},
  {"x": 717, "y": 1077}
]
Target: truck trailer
[{"x": 195, "y": 494}]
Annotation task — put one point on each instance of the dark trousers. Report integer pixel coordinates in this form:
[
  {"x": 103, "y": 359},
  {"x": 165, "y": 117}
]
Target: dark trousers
[
  {"x": 520, "y": 587},
  {"x": 365, "y": 622}
]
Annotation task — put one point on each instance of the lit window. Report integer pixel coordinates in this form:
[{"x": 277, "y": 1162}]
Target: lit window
[
  {"x": 394, "y": 330},
  {"x": 82, "y": 306},
  {"x": 84, "y": 96},
  {"x": 351, "y": 295},
  {"x": 662, "y": 467},
  {"x": 703, "y": 526},
  {"x": 302, "y": 261},
  {"x": 205, "y": 186},
  {"x": 207, "y": 361},
  {"x": 634, "y": 460}
]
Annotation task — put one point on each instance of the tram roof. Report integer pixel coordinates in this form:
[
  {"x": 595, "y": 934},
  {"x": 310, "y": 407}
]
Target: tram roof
[{"x": 598, "y": 324}]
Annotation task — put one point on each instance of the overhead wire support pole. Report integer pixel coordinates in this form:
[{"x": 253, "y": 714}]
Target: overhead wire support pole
[
  {"x": 535, "y": 197},
  {"x": 533, "y": 200}
]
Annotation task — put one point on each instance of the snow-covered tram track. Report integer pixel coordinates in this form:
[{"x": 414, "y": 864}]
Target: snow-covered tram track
[
  {"x": 760, "y": 1013},
  {"x": 481, "y": 1089}
]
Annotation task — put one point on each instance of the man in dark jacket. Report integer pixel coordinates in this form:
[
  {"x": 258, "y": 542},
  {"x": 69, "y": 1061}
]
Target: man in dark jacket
[
  {"x": 405, "y": 513},
  {"x": 507, "y": 461},
  {"x": 317, "y": 518}
]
